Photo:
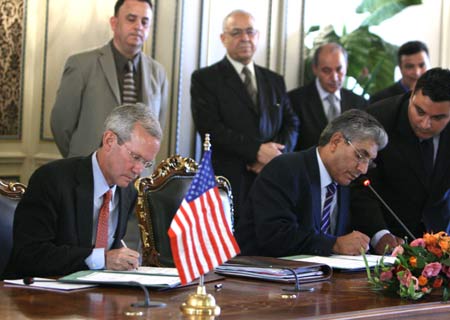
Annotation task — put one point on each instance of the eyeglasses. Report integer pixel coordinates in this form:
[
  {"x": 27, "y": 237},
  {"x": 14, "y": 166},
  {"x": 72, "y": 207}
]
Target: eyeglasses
[
  {"x": 236, "y": 33},
  {"x": 359, "y": 157},
  {"x": 135, "y": 157}
]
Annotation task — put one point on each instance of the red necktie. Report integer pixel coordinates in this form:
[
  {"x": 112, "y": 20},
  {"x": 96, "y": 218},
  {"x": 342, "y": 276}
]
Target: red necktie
[{"x": 102, "y": 227}]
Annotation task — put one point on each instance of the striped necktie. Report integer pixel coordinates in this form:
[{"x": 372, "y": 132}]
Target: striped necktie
[
  {"x": 101, "y": 241},
  {"x": 326, "y": 211},
  {"x": 129, "y": 88},
  {"x": 249, "y": 85}
]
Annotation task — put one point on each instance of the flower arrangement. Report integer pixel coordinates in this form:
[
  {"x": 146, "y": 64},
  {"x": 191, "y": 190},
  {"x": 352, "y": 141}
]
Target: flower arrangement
[{"x": 420, "y": 267}]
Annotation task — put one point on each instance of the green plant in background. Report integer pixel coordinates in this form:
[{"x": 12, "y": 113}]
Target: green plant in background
[{"x": 371, "y": 60}]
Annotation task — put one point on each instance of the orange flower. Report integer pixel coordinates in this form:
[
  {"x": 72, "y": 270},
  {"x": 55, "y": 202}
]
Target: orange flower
[
  {"x": 444, "y": 244},
  {"x": 413, "y": 261},
  {"x": 430, "y": 239},
  {"x": 423, "y": 281},
  {"x": 437, "y": 282},
  {"x": 435, "y": 250}
]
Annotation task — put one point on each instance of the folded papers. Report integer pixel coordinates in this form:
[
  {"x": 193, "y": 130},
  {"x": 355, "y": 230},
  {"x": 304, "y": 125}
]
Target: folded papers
[{"x": 274, "y": 269}]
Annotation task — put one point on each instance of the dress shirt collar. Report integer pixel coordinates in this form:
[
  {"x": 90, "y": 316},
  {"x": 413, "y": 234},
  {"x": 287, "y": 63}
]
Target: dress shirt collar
[
  {"x": 324, "y": 94},
  {"x": 325, "y": 178},
  {"x": 100, "y": 184},
  {"x": 239, "y": 66}
]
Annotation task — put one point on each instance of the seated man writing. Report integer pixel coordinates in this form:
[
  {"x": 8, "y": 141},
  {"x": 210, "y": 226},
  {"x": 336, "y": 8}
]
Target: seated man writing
[
  {"x": 75, "y": 211},
  {"x": 299, "y": 204}
]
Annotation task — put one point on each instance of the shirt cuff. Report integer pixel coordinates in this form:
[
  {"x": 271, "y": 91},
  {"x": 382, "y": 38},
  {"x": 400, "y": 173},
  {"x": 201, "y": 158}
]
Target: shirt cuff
[
  {"x": 96, "y": 260},
  {"x": 377, "y": 236}
]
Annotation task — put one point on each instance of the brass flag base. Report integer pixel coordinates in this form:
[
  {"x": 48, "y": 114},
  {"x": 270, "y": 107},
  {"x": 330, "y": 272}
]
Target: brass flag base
[{"x": 200, "y": 304}]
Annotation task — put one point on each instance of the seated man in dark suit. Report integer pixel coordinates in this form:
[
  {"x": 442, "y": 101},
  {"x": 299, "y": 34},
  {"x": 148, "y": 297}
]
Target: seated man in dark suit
[
  {"x": 299, "y": 204},
  {"x": 75, "y": 211},
  {"x": 413, "y": 61},
  {"x": 413, "y": 172},
  {"x": 323, "y": 99}
]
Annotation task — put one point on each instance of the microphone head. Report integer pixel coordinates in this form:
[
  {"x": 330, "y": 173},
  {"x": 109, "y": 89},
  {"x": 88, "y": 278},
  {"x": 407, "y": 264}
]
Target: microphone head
[
  {"x": 28, "y": 280},
  {"x": 366, "y": 183}
]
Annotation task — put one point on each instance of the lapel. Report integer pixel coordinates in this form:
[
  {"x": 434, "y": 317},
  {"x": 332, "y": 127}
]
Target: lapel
[
  {"x": 345, "y": 101},
  {"x": 313, "y": 167},
  {"x": 442, "y": 163},
  {"x": 108, "y": 65},
  {"x": 147, "y": 85},
  {"x": 343, "y": 209},
  {"x": 234, "y": 82},
  {"x": 124, "y": 206},
  {"x": 316, "y": 107},
  {"x": 408, "y": 145},
  {"x": 84, "y": 202}
]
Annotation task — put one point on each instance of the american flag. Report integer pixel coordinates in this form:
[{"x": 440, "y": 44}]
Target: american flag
[{"x": 200, "y": 235}]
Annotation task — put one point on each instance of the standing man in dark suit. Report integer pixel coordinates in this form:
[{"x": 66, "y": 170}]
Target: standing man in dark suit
[
  {"x": 413, "y": 172},
  {"x": 75, "y": 211},
  {"x": 323, "y": 99},
  {"x": 293, "y": 207},
  {"x": 96, "y": 81},
  {"x": 413, "y": 61},
  {"x": 243, "y": 106}
]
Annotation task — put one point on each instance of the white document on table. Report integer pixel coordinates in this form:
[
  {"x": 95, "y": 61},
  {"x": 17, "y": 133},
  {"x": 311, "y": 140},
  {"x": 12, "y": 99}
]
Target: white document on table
[{"x": 346, "y": 262}]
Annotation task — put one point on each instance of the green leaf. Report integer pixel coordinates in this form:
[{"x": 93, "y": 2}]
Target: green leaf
[{"x": 381, "y": 10}]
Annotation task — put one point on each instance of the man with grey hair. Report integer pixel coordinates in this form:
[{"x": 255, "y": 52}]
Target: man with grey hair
[
  {"x": 299, "y": 204},
  {"x": 323, "y": 99},
  {"x": 75, "y": 211},
  {"x": 243, "y": 106}
]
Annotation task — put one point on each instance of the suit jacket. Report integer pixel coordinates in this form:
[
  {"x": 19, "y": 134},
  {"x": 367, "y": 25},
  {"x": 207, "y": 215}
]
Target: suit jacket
[
  {"x": 222, "y": 107},
  {"x": 393, "y": 90},
  {"x": 53, "y": 221},
  {"x": 421, "y": 202},
  {"x": 282, "y": 214},
  {"x": 88, "y": 92},
  {"x": 308, "y": 106}
]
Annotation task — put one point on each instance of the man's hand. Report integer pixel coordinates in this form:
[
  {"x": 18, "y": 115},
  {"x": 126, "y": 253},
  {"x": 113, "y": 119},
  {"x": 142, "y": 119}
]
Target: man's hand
[
  {"x": 122, "y": 259},
  {"x": 387, "y": 240},
  {"x": 351, "y": 243},
  {"x": 267, "y": 151}
]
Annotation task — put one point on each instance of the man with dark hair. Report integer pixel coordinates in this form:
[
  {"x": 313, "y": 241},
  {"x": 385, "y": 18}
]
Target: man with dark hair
[
  {"x": 299, "y": 204},
  {"x": 75, "y": 211},
  {"x": 96, "y": 81},
  {"x": 323, "y": 99},
  {"x": 243, "y": 106},
  {"x": 413, "y": 172},
  {"x": 413, "y": 61}
]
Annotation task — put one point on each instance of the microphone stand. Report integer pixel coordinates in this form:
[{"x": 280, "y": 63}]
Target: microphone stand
[{"x": 146, "y": 303}]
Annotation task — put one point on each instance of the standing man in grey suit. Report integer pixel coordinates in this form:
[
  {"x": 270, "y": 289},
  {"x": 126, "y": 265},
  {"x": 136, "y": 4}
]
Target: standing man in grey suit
[
  {"x": 93, "y": 82},
  {"x": 243, "y": 106},
  {"x": 75, "y": 211},
  {"x": 323, "y": 99}
]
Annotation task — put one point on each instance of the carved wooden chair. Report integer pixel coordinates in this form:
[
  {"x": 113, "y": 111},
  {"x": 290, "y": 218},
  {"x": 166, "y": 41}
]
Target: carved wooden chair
[
  {"x": 10, "y": 194},
  {"x": 159, "y": 197}
]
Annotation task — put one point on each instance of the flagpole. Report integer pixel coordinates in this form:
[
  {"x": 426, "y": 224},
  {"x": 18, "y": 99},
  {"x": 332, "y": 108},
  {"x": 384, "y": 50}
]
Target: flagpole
[{"x": 201, "y": 303}]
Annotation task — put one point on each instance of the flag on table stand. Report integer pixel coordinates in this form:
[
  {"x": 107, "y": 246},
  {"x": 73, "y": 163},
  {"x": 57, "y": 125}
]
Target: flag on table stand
[{"x": 200, "y": 236}]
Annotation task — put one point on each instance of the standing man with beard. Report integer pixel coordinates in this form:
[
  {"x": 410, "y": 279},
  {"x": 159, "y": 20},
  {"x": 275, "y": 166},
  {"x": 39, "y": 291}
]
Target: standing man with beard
[
  {"x": 323, "y": 99},
  {"x": 94, "y": 82},
  {"x": 243, "y": 106}
]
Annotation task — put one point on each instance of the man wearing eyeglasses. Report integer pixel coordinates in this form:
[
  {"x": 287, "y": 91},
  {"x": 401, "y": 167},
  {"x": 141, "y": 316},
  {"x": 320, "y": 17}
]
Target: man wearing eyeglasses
[
  {"x": 75, "y": 211},
  {"x": 299, "y": 204},
  {"x": 243, "y": 106},
  {"x": 413, "y": 172}
]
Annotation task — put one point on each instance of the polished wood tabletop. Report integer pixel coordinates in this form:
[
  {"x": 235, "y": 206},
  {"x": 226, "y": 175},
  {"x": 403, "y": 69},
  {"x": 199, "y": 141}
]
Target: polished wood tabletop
[{"x": 345, "y": 296}]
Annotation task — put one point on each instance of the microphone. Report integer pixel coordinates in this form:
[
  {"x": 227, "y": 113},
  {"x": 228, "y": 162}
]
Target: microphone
[
  {"x": 366, "y": 183},
  {"x": 146, "y": 303}
]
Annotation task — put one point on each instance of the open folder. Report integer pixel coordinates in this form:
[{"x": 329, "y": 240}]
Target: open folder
[{"x": 275, "y": 269}]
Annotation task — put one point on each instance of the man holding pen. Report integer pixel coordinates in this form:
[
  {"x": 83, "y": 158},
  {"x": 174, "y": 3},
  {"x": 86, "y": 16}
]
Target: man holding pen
[{"x": 75, "y": 211}]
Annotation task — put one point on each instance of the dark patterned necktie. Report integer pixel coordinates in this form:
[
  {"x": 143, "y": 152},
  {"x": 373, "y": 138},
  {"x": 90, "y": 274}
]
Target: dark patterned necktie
[
  {"x": 129, "y": 88},
  {"x": 428, "y": 155},
  {"x": 249, "y": 85},
  {"x": 326, "y": 211}
]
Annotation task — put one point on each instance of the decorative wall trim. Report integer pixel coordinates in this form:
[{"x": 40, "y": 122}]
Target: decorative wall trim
[
  {"x": 269, "y": 34},
  {"x": 12, "y": 49},
  {"x": 44, "y": 75}
]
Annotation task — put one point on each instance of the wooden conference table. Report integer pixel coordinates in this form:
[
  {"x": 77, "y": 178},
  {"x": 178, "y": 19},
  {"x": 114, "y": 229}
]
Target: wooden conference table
[{"x": 345, "y": 296}]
